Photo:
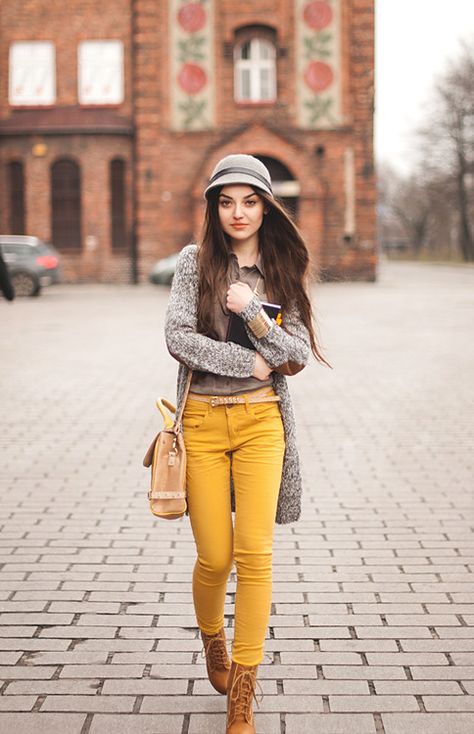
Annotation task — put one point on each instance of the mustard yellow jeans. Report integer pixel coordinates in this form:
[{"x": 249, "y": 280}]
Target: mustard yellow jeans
[{"x": 248, "y": 438}]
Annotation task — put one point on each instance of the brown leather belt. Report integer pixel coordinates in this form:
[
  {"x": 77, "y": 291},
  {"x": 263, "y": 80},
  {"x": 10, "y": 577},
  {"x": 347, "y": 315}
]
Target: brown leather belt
[{"x": 256, "y": 396}]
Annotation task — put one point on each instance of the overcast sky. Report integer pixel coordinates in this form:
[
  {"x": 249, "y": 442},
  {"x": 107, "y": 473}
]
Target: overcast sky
[{"x": 414, "y": 38}]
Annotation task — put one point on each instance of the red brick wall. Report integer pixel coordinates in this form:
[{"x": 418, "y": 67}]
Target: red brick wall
[
  {"x": 170, "y": 201},
  {"x": 170, "y": 167},
  {"x": 66, "y": 24}
]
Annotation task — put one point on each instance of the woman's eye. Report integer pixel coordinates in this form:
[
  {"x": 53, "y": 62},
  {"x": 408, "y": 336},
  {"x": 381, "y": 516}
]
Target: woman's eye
[{"x": 252, "y": 202}]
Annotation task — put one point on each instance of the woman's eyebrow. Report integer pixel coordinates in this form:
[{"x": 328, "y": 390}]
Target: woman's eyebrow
[{"x": 230, "y": 197}]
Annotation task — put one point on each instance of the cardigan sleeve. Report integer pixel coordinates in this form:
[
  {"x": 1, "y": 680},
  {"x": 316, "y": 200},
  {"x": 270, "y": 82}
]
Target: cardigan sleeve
[
  {"x": 184, "y": 343},
  {"x": 287, "y": 343}
]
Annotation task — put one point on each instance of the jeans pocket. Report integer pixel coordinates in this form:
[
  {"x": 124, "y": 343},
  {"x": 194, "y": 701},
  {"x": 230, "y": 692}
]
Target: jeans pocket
[
  {"x": 194, "y": 415},
  {"x": 265, "y": 411}
]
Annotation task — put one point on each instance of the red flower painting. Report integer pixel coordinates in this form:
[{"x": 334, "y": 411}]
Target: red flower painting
[
  {"x": 318, "y": 76},
  {"x": 317, "y": 14},
  {"x": 192, "y": 17},
  {"x": 192, "y": 78}
]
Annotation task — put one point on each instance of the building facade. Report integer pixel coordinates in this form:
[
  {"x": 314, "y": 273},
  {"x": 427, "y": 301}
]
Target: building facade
[{"x": 113, "y": 114}]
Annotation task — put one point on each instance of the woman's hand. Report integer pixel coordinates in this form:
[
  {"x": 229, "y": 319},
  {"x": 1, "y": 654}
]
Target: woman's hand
[
  {"x": 238, "y": 296},
  {"x": 261, "y": 370}
]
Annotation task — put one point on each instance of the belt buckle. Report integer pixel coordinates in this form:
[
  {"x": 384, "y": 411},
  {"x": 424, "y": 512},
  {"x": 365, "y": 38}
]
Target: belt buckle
[{"x": 214, "y": 401}]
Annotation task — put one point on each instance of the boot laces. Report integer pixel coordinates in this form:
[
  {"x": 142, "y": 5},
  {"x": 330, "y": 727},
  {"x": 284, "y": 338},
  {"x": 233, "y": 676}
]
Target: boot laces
[
  {"x": 215, "y": 651},
  {"x": 242, "y": 691}
]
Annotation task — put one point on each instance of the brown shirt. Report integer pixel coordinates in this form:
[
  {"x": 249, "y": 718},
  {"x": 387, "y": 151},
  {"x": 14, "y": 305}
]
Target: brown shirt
[{"x": 208, "y": 383}]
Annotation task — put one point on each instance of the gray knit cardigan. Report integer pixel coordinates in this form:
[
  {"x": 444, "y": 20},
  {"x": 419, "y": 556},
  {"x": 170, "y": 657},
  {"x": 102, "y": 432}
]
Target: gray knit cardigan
[{"x": 200, "y": 352}]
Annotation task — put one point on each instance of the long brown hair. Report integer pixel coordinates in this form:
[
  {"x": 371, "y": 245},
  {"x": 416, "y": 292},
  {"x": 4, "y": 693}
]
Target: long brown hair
[{"x": 285, "y": 262}]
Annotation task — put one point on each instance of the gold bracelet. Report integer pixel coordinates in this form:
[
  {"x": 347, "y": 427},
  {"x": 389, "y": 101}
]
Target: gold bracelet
[{"x": 261, "y": 324}]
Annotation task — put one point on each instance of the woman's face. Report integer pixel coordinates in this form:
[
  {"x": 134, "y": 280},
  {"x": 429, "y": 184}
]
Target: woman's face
[{"x": 240, "y": 211}]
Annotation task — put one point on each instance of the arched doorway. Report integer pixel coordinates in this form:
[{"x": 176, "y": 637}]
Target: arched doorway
[
  {"x": 285, "y": 186},
  {"x": 66, "y": 204}
]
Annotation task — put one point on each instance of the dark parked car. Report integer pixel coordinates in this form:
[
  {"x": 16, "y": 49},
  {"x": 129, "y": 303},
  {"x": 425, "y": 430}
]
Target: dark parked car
[
  {"x": 163, "y": 270},
  {"x": 31, "y": 263}
]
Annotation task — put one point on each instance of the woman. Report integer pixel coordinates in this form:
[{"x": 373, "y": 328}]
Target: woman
[{"x": 238, "y": 422}]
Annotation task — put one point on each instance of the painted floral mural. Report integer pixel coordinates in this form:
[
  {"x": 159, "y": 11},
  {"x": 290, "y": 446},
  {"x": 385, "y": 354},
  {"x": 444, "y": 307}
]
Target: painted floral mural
[
  {"x": 318, "y": 63},
  {"x": 192, "y": 79}
]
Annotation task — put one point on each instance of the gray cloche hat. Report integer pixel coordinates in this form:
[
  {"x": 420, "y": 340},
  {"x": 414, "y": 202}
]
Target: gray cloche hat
[{"x": 240, "y": 168}]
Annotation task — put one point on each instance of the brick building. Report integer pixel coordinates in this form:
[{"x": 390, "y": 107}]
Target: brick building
[{"x": 113, "y": 114}]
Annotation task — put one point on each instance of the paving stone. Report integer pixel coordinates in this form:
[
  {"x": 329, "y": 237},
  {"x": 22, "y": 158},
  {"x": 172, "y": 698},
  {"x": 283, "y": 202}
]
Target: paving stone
[
  {"x": 449, "y": 703},
  {"x": 366, "y": 672},
  {"x": 373, "y": 586},
  {"x": 26, "y": 644},
  {"x": 114, "y": 645},
  {"x": 145, "y": 686},
  {"x": 9, "y": 658},
  {"x": 318, "y": 658},
  {"x": 451, "y": 645},
  {"x": 330, "y": 723},
  {"x": 358, "y": 645},
  {"x": 114, "y": 620},
  {"x": 17, "y": 703},
  {"x": 214, "y": 723},
  {"x": 17, "y": 606},
  {"x": 82, "y": 632},
  {"x": 452, "y": 672},
  {"x": 34, "y": 618},
  {"x": 56, "y": 687},
  {"x": 453, "y": 723},
  {"x": 204, "y": 688},
  {"x": 406, "y": 658},
  {"x": 391, "y": 632},
  {"x": 10, "y": 672},
  {"x": 42, "y": 723},
  {"x": 81, "y": 607},
  {"x": 136, "y": 723},
  {"x": 417, "y": 687},
  {"x": 462, "y": 658},
  {"x": 373, "y": 703},
  {"x": 101, "y": 671},
  {"x": 64, "y": 658},
  {"x": 323, "y": 687},
  {"x": 89, "y": 703}
]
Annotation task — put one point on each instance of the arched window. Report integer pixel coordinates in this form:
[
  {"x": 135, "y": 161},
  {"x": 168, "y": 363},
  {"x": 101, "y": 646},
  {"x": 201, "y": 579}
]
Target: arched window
[
  {"x": 255, "y": 71},
  {"x": 117, "y": 203},
  {"x": 16, "y": 186},
  {"x": 66, "y": 204}
]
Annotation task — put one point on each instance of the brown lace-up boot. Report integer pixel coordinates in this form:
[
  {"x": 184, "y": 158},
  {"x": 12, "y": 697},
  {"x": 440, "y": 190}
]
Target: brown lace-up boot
[
  {"x": 217, "y": 659},
  {"x": 240, "y": 691}
]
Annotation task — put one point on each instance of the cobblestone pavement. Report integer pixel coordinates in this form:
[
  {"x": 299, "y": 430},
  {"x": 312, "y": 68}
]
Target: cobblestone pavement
[{"x": 372, "y": 626}]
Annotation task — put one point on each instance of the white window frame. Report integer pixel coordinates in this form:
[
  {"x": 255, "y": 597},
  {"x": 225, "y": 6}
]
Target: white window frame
[
  {"x": 33, "y": 64},
  {"x": 111, "y": 69},
  {"x": 254, "y": 66}
]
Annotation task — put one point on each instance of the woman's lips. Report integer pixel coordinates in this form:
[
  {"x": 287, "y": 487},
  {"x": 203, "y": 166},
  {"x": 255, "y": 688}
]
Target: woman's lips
[{"x": 238, "y": 226}]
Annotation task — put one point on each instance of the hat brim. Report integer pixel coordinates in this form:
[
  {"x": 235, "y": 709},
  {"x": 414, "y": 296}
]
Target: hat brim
[{"x": 237, "y": 178}]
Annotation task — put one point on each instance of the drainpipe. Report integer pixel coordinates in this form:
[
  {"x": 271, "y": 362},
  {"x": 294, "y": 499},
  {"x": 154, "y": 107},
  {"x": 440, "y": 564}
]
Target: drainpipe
[{"x": 133, "y": 229}]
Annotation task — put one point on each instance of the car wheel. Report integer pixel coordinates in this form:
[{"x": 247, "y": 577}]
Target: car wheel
[{"x": 25, "y": 285}]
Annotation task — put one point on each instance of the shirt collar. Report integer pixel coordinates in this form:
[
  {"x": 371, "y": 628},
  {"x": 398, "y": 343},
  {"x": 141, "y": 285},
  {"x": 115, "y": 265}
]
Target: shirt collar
[{"x": 258, "y": 262}]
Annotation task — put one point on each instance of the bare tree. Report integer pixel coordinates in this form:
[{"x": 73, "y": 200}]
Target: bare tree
[
  {"x": 412, "y": 205},
  {"x": 405, "y": 207},
  {"x": 448, "y": 140}
]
